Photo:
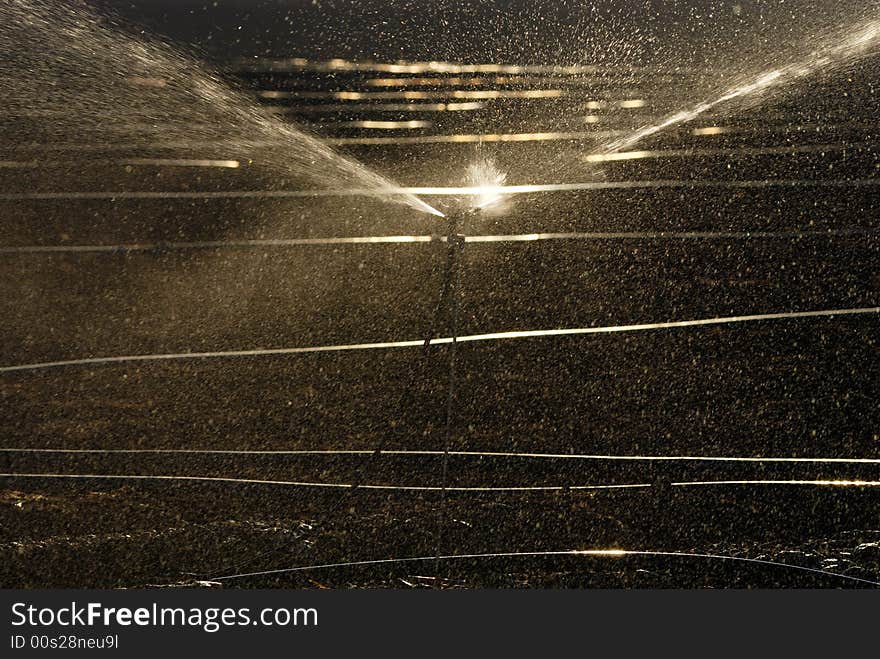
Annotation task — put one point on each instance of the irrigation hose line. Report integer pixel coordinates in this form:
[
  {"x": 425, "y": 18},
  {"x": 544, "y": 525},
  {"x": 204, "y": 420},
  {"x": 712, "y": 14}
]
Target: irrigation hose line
[
  {"x": 436, "y": 488},
  {"x": 428, "y": 453},
  {"x": 276, "y": 243},
  {"x": 573, "y": 553},
  {"x": 497, "y": 336}
]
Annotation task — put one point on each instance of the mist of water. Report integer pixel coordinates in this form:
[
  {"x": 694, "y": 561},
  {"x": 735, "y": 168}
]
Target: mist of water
[
  {"x": 68, "y": 74},
  {"x": 837, "y": 47},
  {"x": 841, "y": 47}
]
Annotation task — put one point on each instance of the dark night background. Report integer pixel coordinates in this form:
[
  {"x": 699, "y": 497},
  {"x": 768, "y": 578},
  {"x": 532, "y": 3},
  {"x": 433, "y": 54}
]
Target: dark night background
[
  {"x": 490, "y": 30},
  {"x": 89, "y": 276}
]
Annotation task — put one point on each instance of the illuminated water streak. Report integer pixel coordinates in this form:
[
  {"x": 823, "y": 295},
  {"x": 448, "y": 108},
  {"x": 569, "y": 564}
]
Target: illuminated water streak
[
  {"x": 458, "y": 94},
  {"x": 456, "y": 138},
  {"x": 497, "y": 336},
  {"x": 738, "y": 152},
  {"x": 475, "y": 138},
  {"x": 482, "y": 81},
  {"x": 179, "y": 162},
  {"x": 371, "y": 107},
  {"x": 388, "y": 125},
  {"x": 132, "y": 162},
  {"x": 302, "y": 64}
]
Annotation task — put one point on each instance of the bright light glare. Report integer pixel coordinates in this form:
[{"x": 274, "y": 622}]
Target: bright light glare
[
  {"x": 604, "y": 552},
  {"x": 486, "y": 182}
]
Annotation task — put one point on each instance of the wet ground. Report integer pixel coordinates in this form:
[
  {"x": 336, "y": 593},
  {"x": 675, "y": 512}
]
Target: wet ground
[{"x": 752, "y": 439}]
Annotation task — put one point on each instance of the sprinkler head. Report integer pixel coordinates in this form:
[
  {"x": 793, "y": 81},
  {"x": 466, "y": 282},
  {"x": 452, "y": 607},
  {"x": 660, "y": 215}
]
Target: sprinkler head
[{"x": 455, "y": 220}]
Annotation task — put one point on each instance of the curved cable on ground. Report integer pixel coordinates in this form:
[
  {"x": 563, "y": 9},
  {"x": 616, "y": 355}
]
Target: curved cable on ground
[
  {"x": 437, "y": 488},
  {"x": 466, "y": 454},
  {"x": 590, "y": 553}
]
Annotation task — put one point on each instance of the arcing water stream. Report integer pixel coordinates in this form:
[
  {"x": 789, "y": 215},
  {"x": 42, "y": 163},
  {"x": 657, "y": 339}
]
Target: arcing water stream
[
  {"x": 69, "y": 74},
  {"x": 841, "y": 47}
]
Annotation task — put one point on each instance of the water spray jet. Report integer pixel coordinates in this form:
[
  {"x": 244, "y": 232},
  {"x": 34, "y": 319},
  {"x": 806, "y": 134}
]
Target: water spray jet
[
  {"x": 843, "y": 46},
  {"x": 135, "y": 91}
]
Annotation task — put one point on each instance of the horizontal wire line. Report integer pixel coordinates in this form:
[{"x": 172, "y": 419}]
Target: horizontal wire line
[
  {"x": 470, "y": 454},
  {"x": 497, "y": 336},
  {"x": 437, "y": 488},
  {"x": 816, "y": 482},
  {"x": 422, "y": 239},
  {"x": 338, "y": 486}
]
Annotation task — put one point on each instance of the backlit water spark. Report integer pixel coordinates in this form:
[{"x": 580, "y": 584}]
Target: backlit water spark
[
  {"x": 839, "y": 49},
  {"x": 486, "y": 182},
  {"x": 121, "y": 88}
]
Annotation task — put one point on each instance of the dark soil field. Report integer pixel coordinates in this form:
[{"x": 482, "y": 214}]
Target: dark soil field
[{"x": 743, "y": 452}]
